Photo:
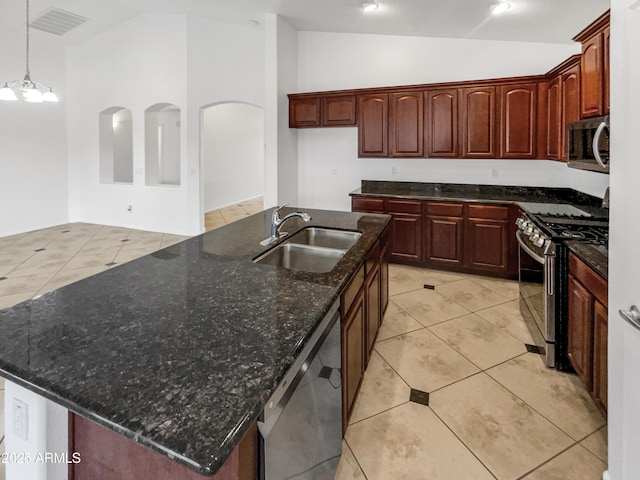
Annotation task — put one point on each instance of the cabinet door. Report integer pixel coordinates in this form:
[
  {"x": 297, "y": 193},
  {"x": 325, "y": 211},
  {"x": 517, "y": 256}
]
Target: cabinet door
[
  {"x": 384, "y": 280},
  {"x": 444, "y": 240},
  {"x": 339, "y": 110},
  {"x": 372, "y": 310},
  {"x": 304, "y": 112},
  {"x": 580, "y": 331},
  {"x": 373, "y": 125},
  {"x": 554, "y": 119},
  {"x": 606, "y": 84},
  {"x": 518, "y": 120},
  {"x": 352, "y": 356},
  {"x": 478, "y": 122},
  {"x": 600, "y": 355},
  {"x": 407, "y": 124},
  {"x": 441, "y": 138},
  {"x": 405, "y": 237},
  {"x": 570, "y": 103},
  {"x": 487, "y": 247},
  {"x": 592, "y": 100}
]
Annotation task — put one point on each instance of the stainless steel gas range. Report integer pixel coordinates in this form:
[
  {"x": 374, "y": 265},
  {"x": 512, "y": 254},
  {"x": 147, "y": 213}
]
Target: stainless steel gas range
[{"x": 541, "y": 234}]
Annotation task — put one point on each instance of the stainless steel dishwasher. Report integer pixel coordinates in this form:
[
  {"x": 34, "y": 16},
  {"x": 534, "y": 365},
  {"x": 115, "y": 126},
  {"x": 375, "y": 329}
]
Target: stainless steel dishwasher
[{"x": 301, "y": 426}]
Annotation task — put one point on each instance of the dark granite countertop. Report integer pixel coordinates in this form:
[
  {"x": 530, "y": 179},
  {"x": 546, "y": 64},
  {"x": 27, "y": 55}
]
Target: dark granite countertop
[
  {"x": 180, "y": 349},
  {"x": 596, "y": 256},
  {"x": 480, "y": 193}
]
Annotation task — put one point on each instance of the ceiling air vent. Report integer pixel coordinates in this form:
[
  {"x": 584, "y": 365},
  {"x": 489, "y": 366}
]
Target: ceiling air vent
[{"x": 57, "y": 21}]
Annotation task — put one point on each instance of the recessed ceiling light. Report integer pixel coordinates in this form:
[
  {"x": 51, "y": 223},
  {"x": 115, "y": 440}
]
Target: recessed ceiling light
[
  {"x": 500, "y": 7},
  {"x": 370, "y": 6}
]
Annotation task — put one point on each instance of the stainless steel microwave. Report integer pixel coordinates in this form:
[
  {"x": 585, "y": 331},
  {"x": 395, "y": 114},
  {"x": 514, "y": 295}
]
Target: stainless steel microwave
[{"x": 589, "y": 144}]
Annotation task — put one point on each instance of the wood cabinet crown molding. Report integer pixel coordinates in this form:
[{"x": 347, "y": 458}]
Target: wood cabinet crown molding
[{"x": 593, "y": 28}]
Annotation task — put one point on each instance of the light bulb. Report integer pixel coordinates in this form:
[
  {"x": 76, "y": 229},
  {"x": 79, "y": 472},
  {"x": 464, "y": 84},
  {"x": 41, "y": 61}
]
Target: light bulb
[
  {"x": 370, "y": 6},
  {"x": 500, "y": 7},
  {"x": 7, "y": 94}
]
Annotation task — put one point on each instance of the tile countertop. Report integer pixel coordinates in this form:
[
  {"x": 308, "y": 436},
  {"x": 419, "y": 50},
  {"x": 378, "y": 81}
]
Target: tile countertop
[
  {"x": 595, "y": 256},
  {"x": 180, "y": 349}
]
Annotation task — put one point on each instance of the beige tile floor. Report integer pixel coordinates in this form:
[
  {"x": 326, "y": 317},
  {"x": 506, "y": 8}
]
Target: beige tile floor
[{"x": 494, "y": 410}]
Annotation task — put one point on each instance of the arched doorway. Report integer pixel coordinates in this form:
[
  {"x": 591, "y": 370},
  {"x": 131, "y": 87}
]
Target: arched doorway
[{"x": 232, "y": 139}]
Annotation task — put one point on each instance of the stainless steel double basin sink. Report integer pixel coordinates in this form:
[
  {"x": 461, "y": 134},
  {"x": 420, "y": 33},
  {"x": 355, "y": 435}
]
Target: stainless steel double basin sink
[{"x": 312, "y": 249}]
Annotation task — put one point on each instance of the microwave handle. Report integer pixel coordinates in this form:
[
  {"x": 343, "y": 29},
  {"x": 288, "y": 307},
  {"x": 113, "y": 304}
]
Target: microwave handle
[{"x": 596, "y": 141}]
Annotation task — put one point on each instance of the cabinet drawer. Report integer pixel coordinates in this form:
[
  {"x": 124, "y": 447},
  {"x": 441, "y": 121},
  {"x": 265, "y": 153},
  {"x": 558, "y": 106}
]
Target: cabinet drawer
[
  {"x": 445, "y": 209},
  {"x": 351, "y": 292},
  {"x": 372, "y": 205},
  {"x": 591, "y": 280},
  {"x": 403, "y": 206},
  {"x": 489, "y": 211}
]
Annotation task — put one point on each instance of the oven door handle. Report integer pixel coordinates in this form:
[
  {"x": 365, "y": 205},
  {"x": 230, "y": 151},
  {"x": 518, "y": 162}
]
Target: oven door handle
[{"x": 526, "y": 248}]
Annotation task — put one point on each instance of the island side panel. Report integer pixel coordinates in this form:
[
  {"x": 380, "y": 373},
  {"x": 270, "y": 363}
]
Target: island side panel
[{"x": 110, "y": 456}]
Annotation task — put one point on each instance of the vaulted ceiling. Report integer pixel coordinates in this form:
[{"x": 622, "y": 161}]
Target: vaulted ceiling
[{"x": 548, "y": 21}]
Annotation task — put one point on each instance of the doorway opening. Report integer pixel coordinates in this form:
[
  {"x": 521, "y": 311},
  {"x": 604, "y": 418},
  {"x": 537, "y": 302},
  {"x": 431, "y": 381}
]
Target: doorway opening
[{"x": 232, "y": 162}]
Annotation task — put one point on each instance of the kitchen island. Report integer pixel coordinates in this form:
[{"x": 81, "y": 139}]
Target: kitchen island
[{"x": 180, "y": 350}]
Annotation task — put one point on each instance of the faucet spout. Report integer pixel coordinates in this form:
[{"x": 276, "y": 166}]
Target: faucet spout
[{"x": 277, "y": 222}]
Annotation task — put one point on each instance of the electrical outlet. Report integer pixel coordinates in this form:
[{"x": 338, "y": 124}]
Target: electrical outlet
[
  {"x": 494, "y": 173},
  {"x": 129, "y": 208},
  {"x": 394, "y": 171},
  {"x": 20, "y": 419}
]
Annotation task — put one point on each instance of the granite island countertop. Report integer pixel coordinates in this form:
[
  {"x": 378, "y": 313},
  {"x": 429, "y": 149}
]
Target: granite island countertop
[{"x": 179, "y": 350}]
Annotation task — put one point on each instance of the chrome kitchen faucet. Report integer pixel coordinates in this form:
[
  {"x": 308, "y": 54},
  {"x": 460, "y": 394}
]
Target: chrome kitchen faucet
[{"x": 277, "y": 222}]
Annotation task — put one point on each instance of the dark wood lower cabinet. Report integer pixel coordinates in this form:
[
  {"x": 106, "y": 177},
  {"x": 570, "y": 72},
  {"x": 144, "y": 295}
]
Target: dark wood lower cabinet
[
  {"x": 444, "y": 241},
  {"x": 588, "y": 329},
  {"x": 460, "y": 236},
  {"x": 580, "y": 342},
  {"x": 353, "y": 328},
  {"x": 362, "y": 307},
  {"x": 107, "y": 455}
]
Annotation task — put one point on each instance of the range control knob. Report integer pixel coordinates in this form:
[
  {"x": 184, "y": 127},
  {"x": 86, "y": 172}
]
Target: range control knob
[
  {"x": 519, "y": 221},
  {"x": 528, "y": 229},
  {"x": 539, "y": 242},
  {"x": 535, "y": 235}
]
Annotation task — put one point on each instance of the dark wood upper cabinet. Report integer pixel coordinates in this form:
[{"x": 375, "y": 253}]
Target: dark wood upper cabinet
[
  {"x": 477, "y": 114},
  {"x": 406, "y": 114},
  {"x": 570, "y": 82},
  {"x": 594, "y": 68},
  {"x": 606, "y": 35},
  {"x": 373, "y": 123},
  {"x": 304, "y": 112},
  {"x": 592, "y": 100},
  {"x": 441, "y": 139},
  {"x": 339, "y": 110},
  {"x": 553, "y": 142},
  {"x": 518, "y": 120}
]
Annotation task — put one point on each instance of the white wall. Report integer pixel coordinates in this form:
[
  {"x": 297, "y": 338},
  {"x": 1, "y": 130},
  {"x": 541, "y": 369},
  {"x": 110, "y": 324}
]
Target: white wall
[
  {"x": 233, "y": 154},
  {"x": 33, "y": 143},
  {"x": 328, "y": 163},
  {"x": 226, "y": 64},
  {"x": 140, "y": 63},
  {"x": 152, "y": 59},
  {"x": 281, "y": 152},
  {"x": 624, "y": 258}
]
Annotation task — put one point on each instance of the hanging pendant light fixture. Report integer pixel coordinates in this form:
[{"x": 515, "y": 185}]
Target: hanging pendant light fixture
[{"x": 30, "y": 91}]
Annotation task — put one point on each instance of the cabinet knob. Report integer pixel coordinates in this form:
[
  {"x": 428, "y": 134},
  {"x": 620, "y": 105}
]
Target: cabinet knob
[{"x": 632, "y": 316}]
